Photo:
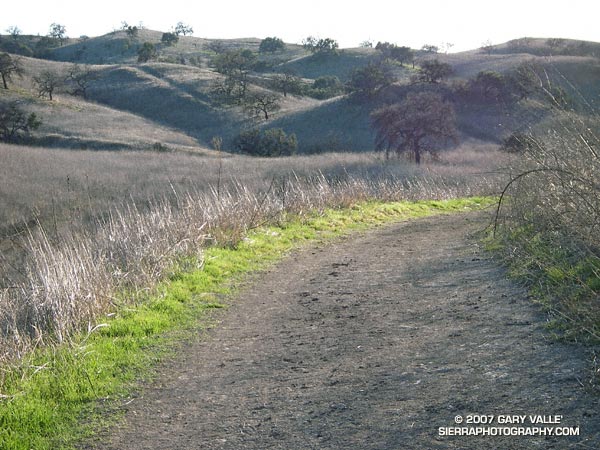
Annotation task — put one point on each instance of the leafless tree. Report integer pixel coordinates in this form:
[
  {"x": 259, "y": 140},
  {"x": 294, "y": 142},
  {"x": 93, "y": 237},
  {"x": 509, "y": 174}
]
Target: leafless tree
[
  {"x": 9, "y": 66},
  {"x": 262, "y": 104},
  {"x": 422, "y": 122},
  {"x": 48, "y": 82},
  {"x": 80, "y": 78}
]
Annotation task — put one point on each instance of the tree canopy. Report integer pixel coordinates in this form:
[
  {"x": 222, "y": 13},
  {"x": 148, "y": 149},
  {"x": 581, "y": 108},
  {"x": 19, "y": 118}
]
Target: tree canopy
[
  {"x": 270, "y": 142},
  {"x": 58, "y": 32},
  {"x": 235, "y": 65},
  {"x": 401, "y": 54},
  {"x": 287, "y": 82},
  {"x": 423, "y": 121},
  {"x": 182, "y": 28},
  {"x": 147, "y": 52},
  {"x": 271, "y": 45},
  {"x": 9, "y": 66},
  {"x": 367, "y": 80},
  {"x": 433, "y": 71},
  {"x": 48, "y": 82},
  {"x": 169, "y": 39},
  {"x": 325, "y": 46}
]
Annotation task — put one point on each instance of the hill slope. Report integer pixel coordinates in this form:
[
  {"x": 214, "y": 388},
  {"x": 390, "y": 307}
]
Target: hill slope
[{"x": 138, "y": 105}]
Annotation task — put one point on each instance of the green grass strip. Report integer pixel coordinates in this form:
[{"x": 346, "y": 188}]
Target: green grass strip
[
  {"x": 563, "y": 281},
  {"x": 62, "y": 395}
]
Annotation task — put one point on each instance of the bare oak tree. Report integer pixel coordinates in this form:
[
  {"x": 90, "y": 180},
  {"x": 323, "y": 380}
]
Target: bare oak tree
[
  {"x": 79, "y": 78},
  {"x": 9, "y": 66},
  {"x": 262, "y": 104},
  {"x": 14, "y": 31},
  {"x": 422, "y": 122},
  {"x": 47, "y": 83},
  {"x": 182, "y": 28}
]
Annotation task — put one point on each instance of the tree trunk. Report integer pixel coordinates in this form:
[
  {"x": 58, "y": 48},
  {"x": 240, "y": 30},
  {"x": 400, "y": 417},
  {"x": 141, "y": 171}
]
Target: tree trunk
[
  {"x": 4, "y": 81},
  {"x": 417, "y": 156}
]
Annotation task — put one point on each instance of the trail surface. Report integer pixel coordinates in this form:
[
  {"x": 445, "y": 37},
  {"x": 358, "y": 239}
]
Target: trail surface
[{"x": 370, "y": 343}]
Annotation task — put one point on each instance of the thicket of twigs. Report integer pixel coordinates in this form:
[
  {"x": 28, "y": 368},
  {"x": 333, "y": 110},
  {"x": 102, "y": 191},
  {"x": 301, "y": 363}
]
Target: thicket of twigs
[{"x": 550, "y": 220}]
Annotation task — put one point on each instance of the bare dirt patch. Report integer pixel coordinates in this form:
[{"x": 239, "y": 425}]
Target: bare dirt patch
[{"x": 370, "y": 343}]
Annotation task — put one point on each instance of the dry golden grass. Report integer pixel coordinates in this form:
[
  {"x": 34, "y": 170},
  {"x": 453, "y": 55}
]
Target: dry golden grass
[
  {"x": 117, "y": 48},
  {"x": 74, "y": 122},
  {"x": 54, "y": 182},
  {"x": 125, "y": 217}
]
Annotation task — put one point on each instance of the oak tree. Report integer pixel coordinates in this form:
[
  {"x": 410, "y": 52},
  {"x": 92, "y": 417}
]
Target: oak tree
[
  {"x": 271, "y": 45},
  {"x": 423, "y": 121},
  {"x": 147, "y": 52},
  {"x": 184, "y": 29},
  {"x": 262, "y": 104},
  {"x": 169, "y": 39},
  {"x": 433, "y": 71},
  {"x": 366, "y": 81},
  {"x": 47, "y": 82},
  {"x": 15, "y": 123},
  {"x": 58, "y": 32},
  {"x": 9, "y": 66},
  {"x": 287, "y": 82},
  {"x": 80, "y": 78}
]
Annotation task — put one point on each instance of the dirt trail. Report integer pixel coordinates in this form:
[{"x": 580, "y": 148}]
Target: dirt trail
[{"x": 371, "y": 343}]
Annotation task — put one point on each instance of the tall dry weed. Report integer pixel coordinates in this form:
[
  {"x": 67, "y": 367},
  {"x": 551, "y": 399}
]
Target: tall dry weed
[
  {"x": 71, "y": 278},
  {"x": 550, "y": 218}
]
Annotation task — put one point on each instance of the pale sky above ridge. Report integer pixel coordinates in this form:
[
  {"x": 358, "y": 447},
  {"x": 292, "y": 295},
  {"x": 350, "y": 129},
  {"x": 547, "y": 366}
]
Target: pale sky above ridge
[{"x": 466, "y": 24}]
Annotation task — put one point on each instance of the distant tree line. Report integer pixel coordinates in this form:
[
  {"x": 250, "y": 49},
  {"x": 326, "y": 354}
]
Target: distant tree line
[{"x": 38, "y": 47}]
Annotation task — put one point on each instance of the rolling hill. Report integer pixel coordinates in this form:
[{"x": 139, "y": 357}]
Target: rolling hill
[{"x": 167, "y": 103}]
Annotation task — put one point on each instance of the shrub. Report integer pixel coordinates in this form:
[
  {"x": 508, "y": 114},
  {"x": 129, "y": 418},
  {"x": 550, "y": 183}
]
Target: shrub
[
  {"x": 15, "y": 123},
  {"x": 147, "y": 52},
  {"x": 325, "y": 87},
  {"x": 169, "y": 39},
  {"x": 550, "y": 221},
  {"x": 271, "y": 142},
  {"x": 271, "y": 45},
  {"x": 366, "y": 81}
]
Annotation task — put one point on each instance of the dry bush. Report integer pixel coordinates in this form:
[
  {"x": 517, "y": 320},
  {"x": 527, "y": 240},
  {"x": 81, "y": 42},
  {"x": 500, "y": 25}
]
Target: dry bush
[{"x": 551, "y": 218}]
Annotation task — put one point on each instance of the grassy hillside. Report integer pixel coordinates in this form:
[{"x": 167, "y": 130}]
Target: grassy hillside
[
  {"x": 549, "y": 47},
  {"x": 73, "y": 122},
  {"x": 142, "y": 105},
  {"x": 335, "y": 125},
  {"x": 340, "y": 65},
  {"x": 118, "y": 48}
]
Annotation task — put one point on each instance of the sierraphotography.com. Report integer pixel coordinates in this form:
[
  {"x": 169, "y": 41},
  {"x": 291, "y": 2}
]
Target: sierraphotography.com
[{"x": 508, "y": 431}]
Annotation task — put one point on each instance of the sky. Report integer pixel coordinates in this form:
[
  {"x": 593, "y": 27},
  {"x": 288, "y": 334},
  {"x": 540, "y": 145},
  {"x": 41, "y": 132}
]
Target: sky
[{"x": 465, "y": 24}]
